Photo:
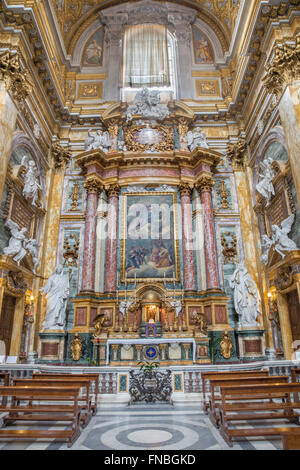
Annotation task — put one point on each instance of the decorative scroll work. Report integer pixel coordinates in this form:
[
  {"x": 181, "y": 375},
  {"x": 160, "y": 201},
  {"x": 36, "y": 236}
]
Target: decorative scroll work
[{"x": 150, "y": 387}]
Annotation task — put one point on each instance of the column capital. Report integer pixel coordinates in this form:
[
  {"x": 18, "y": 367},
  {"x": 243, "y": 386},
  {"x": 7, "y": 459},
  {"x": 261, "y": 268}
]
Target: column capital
[
  {"x": 113, "y": 190},
  {"x": 60, "y": 155},
  {"x": 16, "y": 80},
  {"x": 283, "y": 68},
  {"x": 237, "y": 152},
  {"x": 205, "y": 183},
  {"x": 93, "y": 185},
  {"x": 185, "y": 189}
]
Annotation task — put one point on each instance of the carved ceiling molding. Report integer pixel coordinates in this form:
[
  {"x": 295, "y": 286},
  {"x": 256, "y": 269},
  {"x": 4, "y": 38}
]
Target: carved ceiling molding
[
  {"x": 16, "y": 79},
  {"x": 284, "y": 67}
]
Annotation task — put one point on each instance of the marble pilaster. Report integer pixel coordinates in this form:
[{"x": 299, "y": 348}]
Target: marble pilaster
[
  {"x": 112, "y": 241},
  {"x": 285, "y": 324},
  {"x": 187, "y": 239},
  {"x": 8, "y": 117},
  {"x": 199, "y": 242}
]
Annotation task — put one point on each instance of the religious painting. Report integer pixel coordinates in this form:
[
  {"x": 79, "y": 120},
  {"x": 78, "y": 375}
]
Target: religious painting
[
  {"x": 93, "y": 52},
  {"x": 108, "y": 312},
  {"x": 149, "y": 244},
  {"x": 208, "y": 88},
  {"x": 203, "y": 51}
]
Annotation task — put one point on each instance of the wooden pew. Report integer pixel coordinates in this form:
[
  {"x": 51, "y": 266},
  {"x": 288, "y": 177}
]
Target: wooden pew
[
  {"x": 25, "y": 403},
  {"x": 206, "y": 376},
  {"x": 291, "y": 439},
  {"x": 80, "y": 382},
  {"x": 256, "y": 402},
  {"x": 215, "y": 400},
  {"x": 94, "y": 379},
  {"x": 5, "y": 379}
]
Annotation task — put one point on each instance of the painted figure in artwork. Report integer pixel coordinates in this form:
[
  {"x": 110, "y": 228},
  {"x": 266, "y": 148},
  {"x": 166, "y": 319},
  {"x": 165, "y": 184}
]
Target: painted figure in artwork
[
  {"x": 203, "y": 53},
  {"x": 93, "y": 53},
  {"x": 57, "y": 289}
]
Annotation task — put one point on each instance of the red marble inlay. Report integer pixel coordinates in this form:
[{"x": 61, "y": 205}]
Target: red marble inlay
[
  {"x": 220, "y": 314},
  {"x": 210, "y": 242},
  {"x": 252, "y": 346}
]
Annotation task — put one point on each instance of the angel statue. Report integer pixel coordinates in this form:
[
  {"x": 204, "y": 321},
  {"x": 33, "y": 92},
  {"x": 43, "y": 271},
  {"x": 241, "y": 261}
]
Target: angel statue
[
  {"x": 280, "y": 236},
  {"x": 32, "y": 246},
  {"x": 125, "y": 306},
  {"x": 31, "y": 182},
  {"x": 16, "y": 243},
  {"x": 196, "y": 138},
  {"x": 265, "y": 186},
  {"x": 100, "y": 140},
  {"x": 267, "y": 243},
  {"x": 246, "y": 297},
  {"x": 57, "y": 289}
]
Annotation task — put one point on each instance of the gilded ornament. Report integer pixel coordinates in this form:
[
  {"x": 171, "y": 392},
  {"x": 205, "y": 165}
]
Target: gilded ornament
[
  {"x": 205, "y": 183},
  {"x": 99, "y": 324},
  {"x": 229, "y": 249},
  {"x": 226, "y": 345},
  {"x": 75, "y": 196},
  {"x": 16, "y": 79},
  {"x": 70, "y": 253},
  {"x": 61, "y": 156},
  {"x": 237, "y": 153},
  {"x": 224, "y": 195},
  {"x": 76, "y": 347},
  {"x": 93, "y": 185},
  {"x": 162, "y": 139}
]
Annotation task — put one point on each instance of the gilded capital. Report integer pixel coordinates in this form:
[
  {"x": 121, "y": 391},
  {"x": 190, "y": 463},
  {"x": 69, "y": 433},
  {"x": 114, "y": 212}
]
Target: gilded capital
[
  {"x": 283, "y": 68},
  {"x": 15, "y": 79},
  {"x": 205, "y": 183},
  {"x": 185, "y": 190},
  {"x": 113, "y": 190},
  {"x": 60, "y": 155},
  {"x": 237, "y": 153},
  {"x": 93, "y": 185}
]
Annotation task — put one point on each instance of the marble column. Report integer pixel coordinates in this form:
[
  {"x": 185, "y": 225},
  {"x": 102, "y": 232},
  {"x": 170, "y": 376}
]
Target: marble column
[
  {"x": 93, "y": 188},
  {"x": 183, "y": 35},
  {"x": 100, "y": 244},
  {"x": 112, "y": 239},
  {"x": 187, "y": 239},
  {"x": 8, "y": 117},
  {"x": 199, "y": 241},
  {"x": 204, "y": 186}
]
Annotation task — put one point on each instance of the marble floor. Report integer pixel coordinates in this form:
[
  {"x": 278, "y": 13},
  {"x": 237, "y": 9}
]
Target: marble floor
[{"x": 152, "y": 427}]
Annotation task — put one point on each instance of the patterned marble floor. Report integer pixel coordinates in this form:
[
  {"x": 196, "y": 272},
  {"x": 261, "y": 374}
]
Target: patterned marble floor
[{"x": 153, "y": 427}]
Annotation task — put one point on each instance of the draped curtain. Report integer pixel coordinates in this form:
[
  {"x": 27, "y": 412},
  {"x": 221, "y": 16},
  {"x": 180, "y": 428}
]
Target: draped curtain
[{"x": 146, "y": 56}]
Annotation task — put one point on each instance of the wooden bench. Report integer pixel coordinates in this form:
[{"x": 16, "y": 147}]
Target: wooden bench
[
  {"x": 206, "y": 376},
  {"x": 25, "y": 402},
  {"x": 94, "y": 379},
  {"x": 215, "y": 400},
  {"x": 256, "y": 402},
  {"x": 84, "y": 400},
  {"x": 291, "y": 438}
]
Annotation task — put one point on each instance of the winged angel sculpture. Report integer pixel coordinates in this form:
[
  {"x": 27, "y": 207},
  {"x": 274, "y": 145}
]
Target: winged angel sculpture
[
  {"x": 18, "y": 244},
  {"x": 279, "y": 239}
]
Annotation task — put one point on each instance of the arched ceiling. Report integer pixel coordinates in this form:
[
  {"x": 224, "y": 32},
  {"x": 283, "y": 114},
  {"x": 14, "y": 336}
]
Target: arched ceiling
[{"x": 74, "y": 16}]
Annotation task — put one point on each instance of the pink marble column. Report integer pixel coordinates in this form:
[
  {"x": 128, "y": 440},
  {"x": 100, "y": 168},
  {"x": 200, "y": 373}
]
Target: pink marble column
[
  {"x": 187, "y": 239},
  {"x": 93, "y": 188},
  {"x": 204, "y": 187},
  {"x": 112, "y": 239}
]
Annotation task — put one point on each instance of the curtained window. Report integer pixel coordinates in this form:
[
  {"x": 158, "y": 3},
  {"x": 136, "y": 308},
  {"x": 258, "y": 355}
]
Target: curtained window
[{"x": 146, "y": 59}]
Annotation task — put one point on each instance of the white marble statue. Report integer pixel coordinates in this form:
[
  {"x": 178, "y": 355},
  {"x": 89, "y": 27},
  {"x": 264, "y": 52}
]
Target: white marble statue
[
  {"x": 33, "y": 247},
  {"x": 147, "y": 104},
  {"x": 16, "y": 247},
  {"x": 31, "y": 180},
  {"x": 280, "y": 236},
  {"x": 125, "y": 306},
  {"x": 265, "y": 186},
  {"x": 246, "y": 297},
  {"x": 57, "y": 289},
  {"x": 100, "y": 140},
  {"x": 177, "y": 305},
  {"x": 267, "y": 243},
  {"x": 196, "y": 138}
]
